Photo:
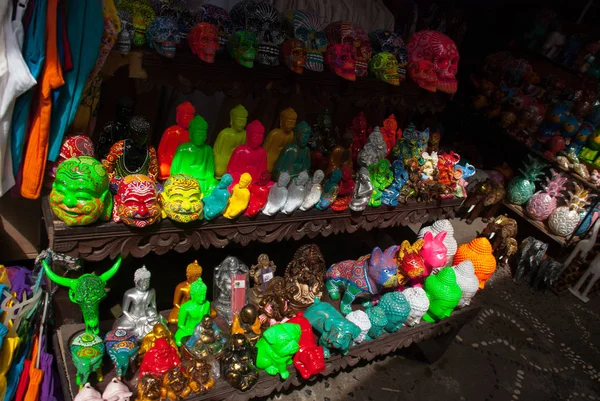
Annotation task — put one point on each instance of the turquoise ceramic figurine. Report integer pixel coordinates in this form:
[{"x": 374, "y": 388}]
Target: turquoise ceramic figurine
[
  {"x": 335, "y": 331},
  {"x": 295, "y": 157},
  {"x": 381, "y": 178},
  {"x": 378, "y": 320},
  {"x": 216, "y": 202},
  {"x": 121, "y": 347},
  {"x": 330, "y": 190},
  {"x": 444, "y": 294},
  {"x": 396, "y": 309},
  {"x": 276, "y": 348}
]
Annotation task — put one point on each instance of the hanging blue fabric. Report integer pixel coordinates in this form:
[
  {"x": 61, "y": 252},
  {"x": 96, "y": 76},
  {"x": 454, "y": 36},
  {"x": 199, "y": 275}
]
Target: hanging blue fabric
[
  {"x": 85, "y": 23},
  {"x": 34, "y": 53}
]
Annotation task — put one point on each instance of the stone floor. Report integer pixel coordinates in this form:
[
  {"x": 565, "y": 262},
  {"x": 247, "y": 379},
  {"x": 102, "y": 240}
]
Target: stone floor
[{"x": 523, "y": 346}]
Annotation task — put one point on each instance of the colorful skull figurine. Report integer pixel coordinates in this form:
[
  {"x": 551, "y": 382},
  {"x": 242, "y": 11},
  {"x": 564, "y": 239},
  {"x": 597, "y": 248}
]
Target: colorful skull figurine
[
  {"x": 242, "y": 48},
  {"x": 127, "y": 33},
  {"x": 356, "y": 37},
  {"x": 80, "y": 193},
  {"x": 433, "y": 51},
  {"x": 163, "y": 35},
  {"x": 384, "y": 66},
  {"x": 181, "y": 199},
  {"x": 176, "y": 10},
  {"x": 218, "y": 17},
  {"x": 204, "y": 41},
  {"x": 340, "y": 59},
  {"x": 141, "y": 16},
  {"x": 293, "y": 55},
  {"x": 309, "y": 29},
  {"x": 73, "y": 146},
  {"x": 136, "y": 201},
  {"x": 384, "y": 41}
]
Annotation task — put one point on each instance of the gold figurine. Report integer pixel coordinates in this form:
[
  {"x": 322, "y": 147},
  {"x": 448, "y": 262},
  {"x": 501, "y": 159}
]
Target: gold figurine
[{"x": 182, "y": 291}]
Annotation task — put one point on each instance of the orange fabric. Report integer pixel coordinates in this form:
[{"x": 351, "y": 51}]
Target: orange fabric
[
  {"x": 35, "y": 375},
  {"x": 36, "y": 152}
]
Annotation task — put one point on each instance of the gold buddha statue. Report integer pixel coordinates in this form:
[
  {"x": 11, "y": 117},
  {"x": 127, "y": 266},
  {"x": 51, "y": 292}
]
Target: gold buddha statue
[{"x": 182, "y": 291}]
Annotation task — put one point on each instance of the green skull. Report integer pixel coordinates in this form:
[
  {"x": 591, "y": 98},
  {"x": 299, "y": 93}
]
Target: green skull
[
  {"x": 384, "y": 66},
  {"x": 242, "y": 48}
]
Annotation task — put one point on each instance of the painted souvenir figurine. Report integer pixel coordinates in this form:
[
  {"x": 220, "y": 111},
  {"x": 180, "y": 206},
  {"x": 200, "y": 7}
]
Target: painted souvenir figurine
[
  {"x": 391, "y": 42},
  {"x": 192, "y": 311},
  {"x": 216, "y": 202},
  {"x": 238, "y": 363},
  {"x": 247, "y": 323},
  {"x": 196, "y": 158},
  {"x": 116, "y": 390},
  {"x": 142, "y": 15},
  {"x": 159, "y": 359},
  {"x": 381, "y": 176},
  {"x": 276, "y": 348},
  {"x": 362, "y": 190},
  {"x": 80, "y": 194},
  {"x": 203, "y": 41},
  {"x": 261, "y": 273},
  {"x": 340, "y": 155},
  {"x": 433, "y": 251},
  {"x": 309, "y": 29},
  {"x": 391, "y": 133},
  {"x": 259, "y": 194},
  {"x": 396, "y": 309},
  {"x": 136, "y": 201},
  {"x": 148, "y": 388},
  {"x": 296, "y": 193},
  {"x": 467, "y": 281},
  {"x": 242, "y": 48},
  {"x": 330, "y": 190},
  {"x": 374, "y": 150},
  {"x": 115, "y": 131},
  {"x": 175, "y": 385},
  {"x": 336, "y": 333},
  {"x": 219, "y": 17},
  {"x": 378, "y": 321},
  {"x": 364, "y": 277},
  {"x": 384, "y": 66},
  {"x": 347, "y": 60},
  {"x": 411, "y": 266},
  {"x": 139, "y": 306},
  {"x": 293, "y": 55},
  {"x": 340, "y": 59},
  {"x": 227, "y": 277},
  {"x": 295, "y": 157},
  {"x": 72, "y": 146},
  {"x": 419, "y": 304},
  {"x": 87, "y": 351},
  {"x": 193, "y": 272},
  {"x": 206, "y": 342},
  {"x": 304, "y": 276},
  {"x": 122, "y": 348},
  {"x": 278, "y": 195},
  {"x": 313, "y": 191},
  {"x": 163, "y": 35},
  {"x": 449, "y": 241},
  {"x": 240, "y": 197},
  {"x": 198, "y": 373},
  {"x": 444, "y": 294},
  {"x": 132, "y": 155},
  {"x": 346, "y": 190},
  {"x": 390, "y": 196},
  {"x": 250, "y": 157},
  {"x": 310, "y": 359},
  {"x": 230, "y": 138},
  {"x": 360, "y": 318},
  {"x": 181, "y": 199},
  {"x": 86, "y": 291},
  {"x": 479, "y": 252},
  {"x": 274, "y": 306},
  {"x": 158, "y": 331},
  {"x": 280, "y": 137},
  {"x": 359, "y": 135},
  {"x": 173, "y": 137}
]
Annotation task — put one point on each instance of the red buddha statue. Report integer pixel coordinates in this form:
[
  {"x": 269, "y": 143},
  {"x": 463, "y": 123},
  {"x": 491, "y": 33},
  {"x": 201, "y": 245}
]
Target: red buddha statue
[
  {"x": 173, "y": 137},
  {"x": 250, "y": 157},
  {"x": 359, "y": 134},
  {"x": 391, "y": 133},
  {"x": 346, "y": 190},
  {"x": 259, "y": 194},
  {"x": 159, "y": 359}
]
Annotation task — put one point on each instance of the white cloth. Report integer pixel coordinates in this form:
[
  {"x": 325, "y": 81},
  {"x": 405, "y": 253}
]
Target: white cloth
[{"x": 15, "y": 79}]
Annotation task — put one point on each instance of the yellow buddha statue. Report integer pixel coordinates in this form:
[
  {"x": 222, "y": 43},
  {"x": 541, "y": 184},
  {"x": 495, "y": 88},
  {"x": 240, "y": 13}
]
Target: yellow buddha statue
[
  {"x": 230, "y": 138},
  {"x": 280, "y": 137},
  {"x": 158, "y": 331},
  {"x": 182, "y": 291}
]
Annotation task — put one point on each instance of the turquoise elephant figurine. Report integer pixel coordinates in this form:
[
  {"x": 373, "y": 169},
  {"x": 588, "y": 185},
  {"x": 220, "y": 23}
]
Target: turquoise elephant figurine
[
  {"x": 444, "y": 294},
  {"x": 364, "y": 277},
  {"x": 216, "y": 202},
  {"x": 277, "y": 347},
  {"x": 335, "y": 331},
  {"x": 87, "y": 350},
  {"x": 378, "y": 321},
  {"x": 121, "y": 347},
  {"x": 396, "y": 308}
]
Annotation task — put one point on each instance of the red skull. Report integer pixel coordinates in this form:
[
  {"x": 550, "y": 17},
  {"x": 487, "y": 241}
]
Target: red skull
[
  {"x": 204, "y": 41},
  {"x": 347, "y": 33},
  {"x": 439, "y": 51},
  {"x": 341, "y": 59}
]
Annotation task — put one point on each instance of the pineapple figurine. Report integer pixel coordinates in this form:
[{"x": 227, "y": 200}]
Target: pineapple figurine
[
  {"x": 564, "y": 219},
  {"x": 522, "y": 187},
  {"x": 543, "y": 203}
]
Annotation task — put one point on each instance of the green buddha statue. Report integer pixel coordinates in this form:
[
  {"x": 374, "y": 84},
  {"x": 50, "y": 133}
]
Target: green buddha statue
[
  {"x": 230, "y": 138},
  {"x": 195, "y": 158},
  {"x": 295, "y": 157},
  {"x": 192, "y": 311}
]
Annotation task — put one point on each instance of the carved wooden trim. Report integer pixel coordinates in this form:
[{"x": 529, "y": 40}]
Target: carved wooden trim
[{"x": 107, "y": 240}]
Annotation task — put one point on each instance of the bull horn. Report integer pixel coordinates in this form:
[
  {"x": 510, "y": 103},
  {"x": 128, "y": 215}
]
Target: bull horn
[
  {"x": 107, "y": 275},
  {"x": 60, "y": 280}
]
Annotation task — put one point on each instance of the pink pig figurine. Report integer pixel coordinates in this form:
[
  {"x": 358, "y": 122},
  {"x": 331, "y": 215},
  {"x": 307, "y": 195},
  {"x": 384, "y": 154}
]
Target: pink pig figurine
[{"x": 434, "y": 251}]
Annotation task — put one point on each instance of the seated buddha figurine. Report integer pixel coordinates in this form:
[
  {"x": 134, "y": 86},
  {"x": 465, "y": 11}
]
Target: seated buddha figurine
[
  {"x": 345, "y": 192},
  {"x": 259, "y": 194},
  {"x": 391, "y": 133},
  {"x": 341, "y": 154},
  {"x": 295, "y": 157},
  {"x": 116, "y": 130},
  {"x": 250, "y": 157},
  {"x": 132, "y": 155},
  {"x": 247, "y": 323},
  {"x": 192, "y": 312},
  {"x": 240, "y": 197},
  {"x": 280, "y": 137},
  {"x": 182, "y": 291},
  {"x": 230, "y": 138},
  {"x": 181, "y": 199},
  {"x": 196, "y": 158},
  {"x": 173, "y": 137},
  {"x": 158, "y": 331}
]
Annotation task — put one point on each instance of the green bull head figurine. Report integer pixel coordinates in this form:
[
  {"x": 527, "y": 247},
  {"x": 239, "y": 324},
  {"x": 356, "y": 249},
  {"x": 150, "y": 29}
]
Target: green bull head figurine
[{"x": 86, "y": 291}]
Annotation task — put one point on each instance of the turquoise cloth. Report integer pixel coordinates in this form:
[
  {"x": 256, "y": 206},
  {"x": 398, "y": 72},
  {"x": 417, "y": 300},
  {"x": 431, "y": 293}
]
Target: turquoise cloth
[
  {"x": 85, "y": 27},
  {"x": 34, "y": 53}
]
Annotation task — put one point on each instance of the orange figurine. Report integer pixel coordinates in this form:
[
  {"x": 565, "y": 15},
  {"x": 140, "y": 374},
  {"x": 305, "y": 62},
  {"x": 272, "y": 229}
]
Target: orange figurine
[
  {"x": 390, "y": 132},
  {"x": 479, "y": 252},
  {"x": 173, "y": 137}
]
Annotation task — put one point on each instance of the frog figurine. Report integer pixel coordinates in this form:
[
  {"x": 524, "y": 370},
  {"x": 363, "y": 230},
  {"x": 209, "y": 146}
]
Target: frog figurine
[
  {"x": 276, "y": 348},
  {"x": 396, "y": 309},
  {"x": 381, "y": 177},
  {"x": 330, "y": 190},
  {"x": 240, "y": 197},
  {"x": 216, "y": 202},
  {"x": 444, "y": 294},
  {"x": 192, "y": 311}
]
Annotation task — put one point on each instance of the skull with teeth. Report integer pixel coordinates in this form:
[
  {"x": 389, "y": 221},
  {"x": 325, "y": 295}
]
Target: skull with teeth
[
  {"x": 384, "y": 66},
  {"x": 141, "y": 17},
  {"x": 177, "y": 10},
  {"x": 340, "y": 58},
  {"x": 163, "y": 36},
  {"x": 356, "y": 38},
  {"x": 219, "y": 17},
  {"x": 309, "y": 29},
  {"x": 127, "y": 32},
  {"x": 242, "y": 48},
  {"x": 204, "y": 41},
  {"x": 390, "y": 42}
]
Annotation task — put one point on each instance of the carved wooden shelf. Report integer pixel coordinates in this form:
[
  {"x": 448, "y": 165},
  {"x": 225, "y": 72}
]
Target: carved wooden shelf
[
  {"x": 102, "y": 240},
  {"x": 423, "y": 332}
]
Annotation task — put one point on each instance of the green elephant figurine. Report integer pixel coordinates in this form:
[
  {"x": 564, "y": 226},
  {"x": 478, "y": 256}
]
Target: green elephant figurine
[
  {"x": 276, "y": 348},
  {"x": 87, "y": 350},
  {"x": 444, "y": 294}
]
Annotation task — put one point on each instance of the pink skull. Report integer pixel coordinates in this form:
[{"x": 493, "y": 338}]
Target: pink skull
[
  {"x": 341, "y": 60},
  {"x": 347, "y": 33},
  {"x": 437, "y": 49},
  {"x": 204, "y": 41},
  {"x": 434, "y": 251}
]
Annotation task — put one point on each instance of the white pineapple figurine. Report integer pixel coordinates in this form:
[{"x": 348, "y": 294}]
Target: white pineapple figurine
[
  {"x": 564, "y": 219},
  {"x": 543, "y": 203}
]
